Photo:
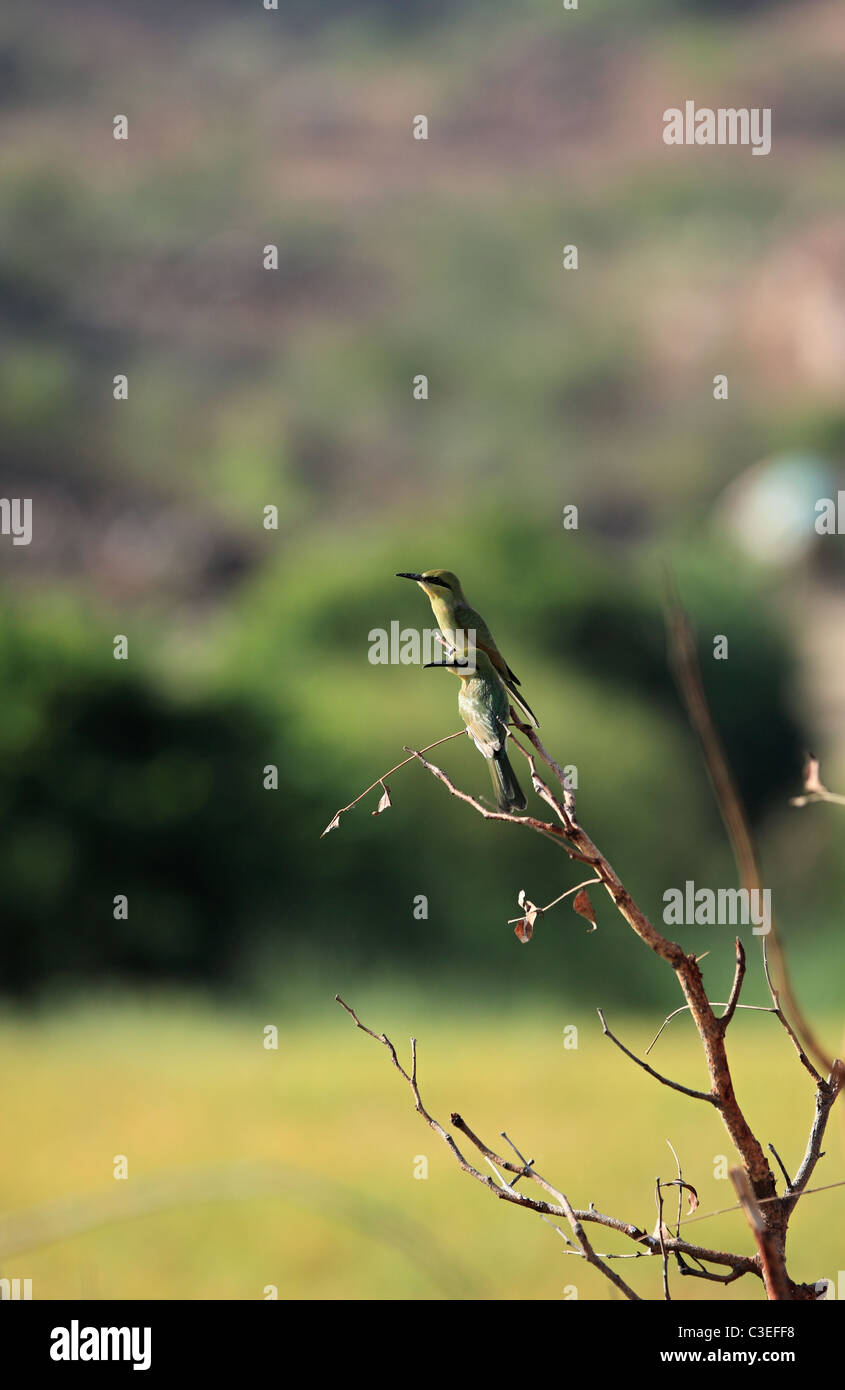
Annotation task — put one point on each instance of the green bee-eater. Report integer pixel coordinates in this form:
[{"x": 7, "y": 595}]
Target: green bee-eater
[
  {"x": 454, "y": 614},
  {"x": 483, "y": 706}
]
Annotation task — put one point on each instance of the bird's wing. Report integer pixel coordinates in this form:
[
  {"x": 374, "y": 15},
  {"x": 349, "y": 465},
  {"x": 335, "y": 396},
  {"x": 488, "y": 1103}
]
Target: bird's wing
[
  {"x": 467, "y": 618},
  {"x": 497, "y": 661},
  {"x": 483, "y": 723}
]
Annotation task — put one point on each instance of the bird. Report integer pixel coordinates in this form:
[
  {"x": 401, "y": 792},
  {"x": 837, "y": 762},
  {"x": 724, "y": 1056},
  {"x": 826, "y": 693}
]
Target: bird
[
  {"x": 483, "y": 706},
  {"x": 454, "y": 616}
]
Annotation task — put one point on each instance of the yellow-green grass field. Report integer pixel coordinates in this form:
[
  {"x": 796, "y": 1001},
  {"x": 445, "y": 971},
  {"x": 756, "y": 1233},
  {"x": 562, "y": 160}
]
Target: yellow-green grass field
[{"x": 295, "y": 1167}]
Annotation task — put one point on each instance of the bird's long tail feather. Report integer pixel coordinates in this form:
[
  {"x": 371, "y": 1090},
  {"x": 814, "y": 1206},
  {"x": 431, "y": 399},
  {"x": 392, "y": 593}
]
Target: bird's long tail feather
[
  {"x": 509, "y": 794},
  {"x": 521, "y": 703}
]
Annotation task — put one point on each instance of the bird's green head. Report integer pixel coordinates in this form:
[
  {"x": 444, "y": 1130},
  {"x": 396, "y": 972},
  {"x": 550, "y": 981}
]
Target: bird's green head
[{"x": 437, "y": 583}]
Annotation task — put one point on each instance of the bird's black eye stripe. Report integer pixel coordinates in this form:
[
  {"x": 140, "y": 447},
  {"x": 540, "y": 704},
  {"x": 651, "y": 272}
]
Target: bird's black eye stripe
[{"x": 442, "y": 582}]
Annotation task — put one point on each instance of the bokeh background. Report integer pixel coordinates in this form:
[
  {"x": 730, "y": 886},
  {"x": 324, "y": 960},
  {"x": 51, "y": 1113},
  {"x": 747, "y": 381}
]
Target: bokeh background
[{"x": 294, "y": 1167}]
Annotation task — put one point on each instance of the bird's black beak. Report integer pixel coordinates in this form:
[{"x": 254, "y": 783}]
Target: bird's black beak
[{"x": 424, "y": 579}]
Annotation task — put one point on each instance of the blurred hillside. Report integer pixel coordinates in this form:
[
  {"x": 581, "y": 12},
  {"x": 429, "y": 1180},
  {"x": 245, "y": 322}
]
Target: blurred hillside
[
  {"x": 250, "y": 387},
  {"x": 396, "y": 256}
]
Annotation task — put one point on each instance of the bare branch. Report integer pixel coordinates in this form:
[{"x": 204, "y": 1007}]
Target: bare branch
[
  {"x": 775, "y": 1277},
  {"x": 680, "y": 1187},
  {"x": 826, "y": 1094},
  {"x": 658, "y": 1194},
  {"x": 814, "y": 788},
  {"x": 506, "y": 1193},
  {"x": 684, "y": 660},
  {"x": 740, "y": 1264},
  {"x": 527, "y": 1162},
  {"x": 683, "y": 1008},
  {"x": 707, "y": 1274},
  {"x": 782, "y": 1167},
  {"x": 778, "y": 1011},
  {"x": 723, "y": 1211},
  {"x": 541, "y": 911},
  {"x": 739, "y": 976},
  {"x": 379, "y": 782},
  {"x": 653, "y": 1245},
  {"x": 664, "y": 1080},
  {"x": 833, "y": 797},
  {"x": 572, "y": 1217},
  {"x": 541, "y": 826},
  {"x": 554, "y": 767}
]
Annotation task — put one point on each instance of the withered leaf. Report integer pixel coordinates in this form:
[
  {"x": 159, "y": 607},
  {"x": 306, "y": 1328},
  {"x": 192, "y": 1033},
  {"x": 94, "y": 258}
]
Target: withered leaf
[
  {"x": 688, "y": 1187},
  {"x": 332, "y": 825},
  {"x": 584, "y": 907},
  {"x": 384, "y": 801},
  {"x": 524, "y": 928}
]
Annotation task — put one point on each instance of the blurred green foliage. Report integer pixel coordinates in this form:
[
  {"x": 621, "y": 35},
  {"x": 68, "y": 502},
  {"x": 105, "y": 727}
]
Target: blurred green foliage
[
  {"x": 109, "y": 787},
  {"x": 118, "y": 778}
]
